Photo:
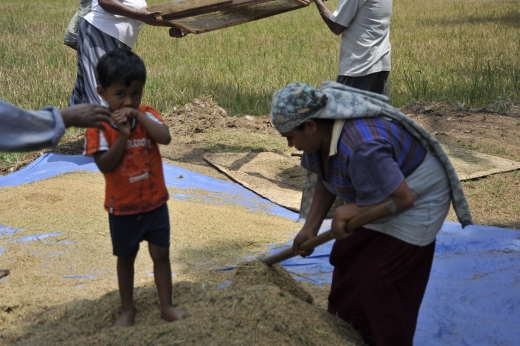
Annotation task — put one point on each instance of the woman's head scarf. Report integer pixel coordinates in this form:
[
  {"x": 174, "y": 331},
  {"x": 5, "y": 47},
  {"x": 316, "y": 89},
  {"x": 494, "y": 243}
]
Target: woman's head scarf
[{"x": 297, "y": 102}]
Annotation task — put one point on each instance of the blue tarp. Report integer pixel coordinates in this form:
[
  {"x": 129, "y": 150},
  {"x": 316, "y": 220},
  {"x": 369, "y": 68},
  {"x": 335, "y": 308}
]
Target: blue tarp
[{"x": 473, "y": 296}]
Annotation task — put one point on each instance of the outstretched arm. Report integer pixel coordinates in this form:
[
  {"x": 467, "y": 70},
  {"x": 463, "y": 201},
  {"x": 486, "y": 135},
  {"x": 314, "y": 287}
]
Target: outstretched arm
[
  {"x": 117, "y": 7},
  {"x": 86, "y": 115},
  {"x": 325, "y": 13},
  {"x": 27, "y": 130},
  {"x": 145, "y": 16}
]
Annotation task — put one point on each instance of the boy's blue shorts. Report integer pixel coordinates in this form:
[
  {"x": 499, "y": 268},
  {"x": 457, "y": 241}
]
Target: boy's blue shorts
[{"x": 127, "y": 231}]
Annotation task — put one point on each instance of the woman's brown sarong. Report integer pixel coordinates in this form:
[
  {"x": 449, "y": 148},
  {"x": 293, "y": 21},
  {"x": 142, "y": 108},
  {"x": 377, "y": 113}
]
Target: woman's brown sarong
[{"x": 378, "y": 285}]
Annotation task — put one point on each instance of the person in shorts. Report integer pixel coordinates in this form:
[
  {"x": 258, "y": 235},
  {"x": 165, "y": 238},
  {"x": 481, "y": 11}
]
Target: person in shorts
[{"x": 127, "y": 154}]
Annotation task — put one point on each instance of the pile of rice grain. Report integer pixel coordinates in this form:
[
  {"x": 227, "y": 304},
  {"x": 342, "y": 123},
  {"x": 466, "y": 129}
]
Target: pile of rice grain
[
  {"x": 257, "y": 273},
  {"x": 235, "y": 315}
]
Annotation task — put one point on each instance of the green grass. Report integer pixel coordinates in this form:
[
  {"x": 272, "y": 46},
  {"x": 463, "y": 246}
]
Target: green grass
[
  {"x": 459, "y": 51},
  {"x": 9, "y": 158},
  {"x": 443, "y": 50}
]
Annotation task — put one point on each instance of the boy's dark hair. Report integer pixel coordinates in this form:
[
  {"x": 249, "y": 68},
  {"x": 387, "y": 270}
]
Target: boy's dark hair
[{"x": 120, "y": 65}]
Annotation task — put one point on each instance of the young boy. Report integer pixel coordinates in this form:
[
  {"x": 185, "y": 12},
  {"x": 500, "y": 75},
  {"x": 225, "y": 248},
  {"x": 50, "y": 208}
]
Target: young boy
[{"x": 135, "y": 195}]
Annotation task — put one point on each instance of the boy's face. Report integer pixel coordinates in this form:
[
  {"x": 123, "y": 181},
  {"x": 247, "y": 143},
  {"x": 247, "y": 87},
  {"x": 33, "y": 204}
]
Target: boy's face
[{"x": 119, "y": 96}]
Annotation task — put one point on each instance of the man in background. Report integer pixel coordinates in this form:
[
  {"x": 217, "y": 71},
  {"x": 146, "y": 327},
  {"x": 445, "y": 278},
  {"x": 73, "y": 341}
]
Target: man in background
[{"x": 364, "y": 55}]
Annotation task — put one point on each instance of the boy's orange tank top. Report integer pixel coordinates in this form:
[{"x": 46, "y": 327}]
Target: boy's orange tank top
[{"x": 137, "y": 184}]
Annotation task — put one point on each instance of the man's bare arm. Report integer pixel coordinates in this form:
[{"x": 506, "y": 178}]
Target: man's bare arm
[{"x": 325, "y": 13}]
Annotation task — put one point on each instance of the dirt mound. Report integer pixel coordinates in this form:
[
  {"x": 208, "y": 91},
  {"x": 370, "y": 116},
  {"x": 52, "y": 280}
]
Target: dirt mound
[
  {"x": 483, "y": 130},
  {"x": 234, "y": 315},
  {"x": 204, "y": 115}
]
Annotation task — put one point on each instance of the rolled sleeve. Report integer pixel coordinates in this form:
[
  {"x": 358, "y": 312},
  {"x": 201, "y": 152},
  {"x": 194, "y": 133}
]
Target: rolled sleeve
[{"x": 374, "y": 172}]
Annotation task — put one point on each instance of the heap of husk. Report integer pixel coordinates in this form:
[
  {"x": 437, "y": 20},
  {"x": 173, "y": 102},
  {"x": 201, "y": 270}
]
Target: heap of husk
[
  {"x": 256, "y": 273},
  {"x": 251, "y": 311}
]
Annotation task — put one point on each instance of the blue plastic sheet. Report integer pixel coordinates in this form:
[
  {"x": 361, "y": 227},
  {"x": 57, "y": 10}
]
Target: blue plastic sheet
[
  {"x": 50, "y": 165},
  {"x": 472, "y": 298}
]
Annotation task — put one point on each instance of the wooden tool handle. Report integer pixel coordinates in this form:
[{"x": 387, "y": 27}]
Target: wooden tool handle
[{"x": 377, "y": 213}]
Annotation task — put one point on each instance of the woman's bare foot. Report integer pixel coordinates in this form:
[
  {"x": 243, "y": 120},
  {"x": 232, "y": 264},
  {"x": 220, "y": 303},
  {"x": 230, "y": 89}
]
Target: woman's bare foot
[
  {"x": 125, "y": 319},
  {"x": 169, "y": 313}
]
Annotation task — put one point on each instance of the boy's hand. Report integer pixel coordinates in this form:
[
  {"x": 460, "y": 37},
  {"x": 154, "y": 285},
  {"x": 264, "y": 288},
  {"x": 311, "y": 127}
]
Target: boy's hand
[
  {"x": 130, "y": 113},
  {"x": 121, "y": 121}
]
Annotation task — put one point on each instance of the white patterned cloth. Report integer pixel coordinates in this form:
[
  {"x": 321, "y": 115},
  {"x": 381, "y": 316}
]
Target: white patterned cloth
[
  {"x": 92, "y": 45},
  {"x": 120, "y": 27}
]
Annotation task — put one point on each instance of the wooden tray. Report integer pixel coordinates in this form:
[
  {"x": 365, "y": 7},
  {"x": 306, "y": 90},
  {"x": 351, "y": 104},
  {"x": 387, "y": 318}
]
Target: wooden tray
[
  {"x": 202, "y": 23},
  {"x": 189, "y": 8}
]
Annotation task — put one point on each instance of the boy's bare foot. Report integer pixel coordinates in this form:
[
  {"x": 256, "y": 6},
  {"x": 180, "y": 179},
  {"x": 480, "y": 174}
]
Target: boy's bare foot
[
  {"x": 169, "y": 313},
  {"x": 4, "y": 273},
  {"x": 126, "y": 319}
]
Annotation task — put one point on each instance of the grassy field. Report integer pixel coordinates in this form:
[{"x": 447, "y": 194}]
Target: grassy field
[{"x": 462, "y": 51}]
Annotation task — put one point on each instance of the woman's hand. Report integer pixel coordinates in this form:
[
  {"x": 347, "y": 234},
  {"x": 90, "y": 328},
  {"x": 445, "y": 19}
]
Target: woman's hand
[
  {"x": 321, "y": 202},
  {"x": 340, "y": 219},
  {"x": 177, "y": 32},
  {"x": 305, "y": 234}
]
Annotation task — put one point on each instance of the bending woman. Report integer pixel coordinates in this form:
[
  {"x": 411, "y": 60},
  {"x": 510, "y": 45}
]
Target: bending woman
[{"x": 368, "y": 153}]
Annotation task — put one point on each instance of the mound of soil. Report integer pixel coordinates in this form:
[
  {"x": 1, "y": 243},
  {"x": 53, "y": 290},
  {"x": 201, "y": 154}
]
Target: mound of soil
[{"x": 204, "y": 115}]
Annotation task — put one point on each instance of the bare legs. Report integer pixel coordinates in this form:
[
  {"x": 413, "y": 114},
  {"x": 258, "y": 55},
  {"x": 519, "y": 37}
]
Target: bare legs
[
  {"x": 125, "y": 276},
  {"x": 163, "y": 281}
]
